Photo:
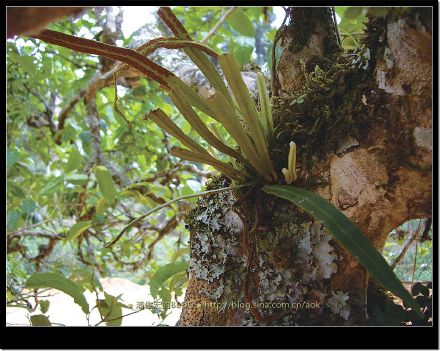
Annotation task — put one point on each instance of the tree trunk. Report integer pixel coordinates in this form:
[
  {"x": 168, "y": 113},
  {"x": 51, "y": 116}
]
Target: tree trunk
[{"x": 362, "y": 122}]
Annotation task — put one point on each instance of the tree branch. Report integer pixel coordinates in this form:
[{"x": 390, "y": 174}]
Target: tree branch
[{"x": 218, "y": 24}]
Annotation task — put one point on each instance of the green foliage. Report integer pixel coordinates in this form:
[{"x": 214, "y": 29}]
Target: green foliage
[
  {"x": 57, "y": 281},
  {"x": 165, "y": 273},
  {"x": 44, "y": 305},
  {"x": 40, "y": 320},
  {"x": 74, "y": 162},
  {"x": 241, "y": 23},
  {"x": 348, "y": 235},
  {"x": 110, "y": 310},
  {"x": 106, "y": 183},
  {"x": 77, "y": 229}
]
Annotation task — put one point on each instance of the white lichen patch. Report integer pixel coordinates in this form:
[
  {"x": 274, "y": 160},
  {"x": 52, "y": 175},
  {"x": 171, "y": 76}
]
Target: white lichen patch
[
  {"x": 322, "y": 250},
  {"x": 423, "y": 137},
  {"x": 338, "y": 304},
  {"x": 215, "y": 231}
]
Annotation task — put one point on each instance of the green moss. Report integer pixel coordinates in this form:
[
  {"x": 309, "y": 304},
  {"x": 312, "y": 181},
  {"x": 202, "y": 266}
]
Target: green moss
[{"x": 325, "y": 111}]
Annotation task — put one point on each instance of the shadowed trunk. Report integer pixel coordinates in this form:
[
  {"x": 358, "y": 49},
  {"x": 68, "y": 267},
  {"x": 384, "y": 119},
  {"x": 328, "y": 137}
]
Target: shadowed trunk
[{"x": 362, "y": 122}]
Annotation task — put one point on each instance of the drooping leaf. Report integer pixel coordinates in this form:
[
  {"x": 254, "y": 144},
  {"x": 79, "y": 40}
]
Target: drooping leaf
[
  {"x": 110, "y": 309},
  {"x": 243, "y": 54},
  {"x": 40, "y": 320},
  {"x": 44, "y": 305},
  {"x": 28, "y": 206},
  {"x": 52, "y": 186},
  {"x": 106, "y": 184},
  {"x": 57, "y": 281},
  {"x": 12, "y": 156},
  {"x": 74, "y": 162},
  {"x": 101, "y": 206},
  {"x": 348, "y": 235},
  {"x": 13, "y": 219},
  {"x": 163, "y": 274},
  {"x": 241, "y": 23},
  {"x": 78, "y": 228},
  {"x": 77, "y": 178}
]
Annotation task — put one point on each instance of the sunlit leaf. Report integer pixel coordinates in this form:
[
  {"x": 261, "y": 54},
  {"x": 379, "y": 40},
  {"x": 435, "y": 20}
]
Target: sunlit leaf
[
  {"x": 40, "y": 320},
  {"x": 106, "y": 184},
  {"x": 44, "y": 305},
  {"x": 53, "y": 185},
  {"x": 163, "y": 274},
  {"x": 78, "y": 228},
  {"x": 74, "y": 162},
  {"x": 57, "y": 281},
  {"x": 241, "y": 23}
]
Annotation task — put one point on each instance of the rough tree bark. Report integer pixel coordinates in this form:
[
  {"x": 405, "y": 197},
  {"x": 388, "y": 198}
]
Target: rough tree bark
[{"x": 363, "y": 125}]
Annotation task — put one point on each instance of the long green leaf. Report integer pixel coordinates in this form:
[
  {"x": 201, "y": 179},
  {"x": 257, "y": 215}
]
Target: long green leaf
[
  {"x": 224, "y": 168},
  {"x": 266, "y": 112},
  {"x": 106, "y": 184},
  {"x": 247, "y": 107},
  {"x": 164, "y": 122},
  {"x": 57, "y": 281},
  {"x": 194, "y": 120},
  {"x": 227, "y": 116},
  {"x": 348, "y": 234},
  {"x": 78, "y": 228},
  {"x": 163, "y": 274},
  {"x": 198, "y": 57}
]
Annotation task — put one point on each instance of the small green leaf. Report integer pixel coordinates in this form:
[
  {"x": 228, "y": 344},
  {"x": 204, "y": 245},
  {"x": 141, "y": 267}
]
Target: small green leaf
[
  {"x": 353, "y": 12},
  {"x": 74, "y": 162},
  {"x": 106, "y": 184},
  {"x": 163, "y": 274},
  {"x": 13, "y": 219},
  {"x": 52, "y": 185},
  {"x": 378, "y": 11},
  {"x": 241, "y": 23},
  {"x": 348, "y": 235},
  {"x": 57, "y": 281},
  {"x": 101, "y": 206},
  {"x": 40, "y": 320},
  {"x": 77, "y": 229},
  {"x": 243, "y": 54},
  {"x": 44, "y": 305},
  {"x": 28, "y": 206},
  {"x": 77, "y": 179},
  {"x": 12, "y": 157},
  {"x": 27, "y": 63},
  {"x": 110, "y": 309}
]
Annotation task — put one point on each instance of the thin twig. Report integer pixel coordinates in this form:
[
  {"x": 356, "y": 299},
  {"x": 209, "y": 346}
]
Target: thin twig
[
  {"x": 405, "y": 249},
  {"x": 275, "y": 80},
  {"x": 140, "y": 218},
  {"x": 218, "y": 24}
]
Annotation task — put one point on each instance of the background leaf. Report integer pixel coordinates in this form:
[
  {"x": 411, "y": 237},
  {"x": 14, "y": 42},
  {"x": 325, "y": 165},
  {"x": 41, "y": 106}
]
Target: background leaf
[
  {"x": 44, "y": 305},
  {"x": 40, "y": 320},
  {"x": 106, "y": 184},
  {"x": 57, "y": 281},
  {"x": 241, "y": 23},
  {"x": 164, "y": 273},
  {"x": 78, "y": 228},
  {"x": 74, "y": 162}
]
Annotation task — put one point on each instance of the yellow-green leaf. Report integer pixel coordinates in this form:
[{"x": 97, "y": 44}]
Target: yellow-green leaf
[
  {"x": 40, "y": 320},
  {"x": 74, "y": 162},
  {"x": 57, "y": 281},
  {"x": 106, "y": 184},
  {"x": 78, "y": 228}
]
